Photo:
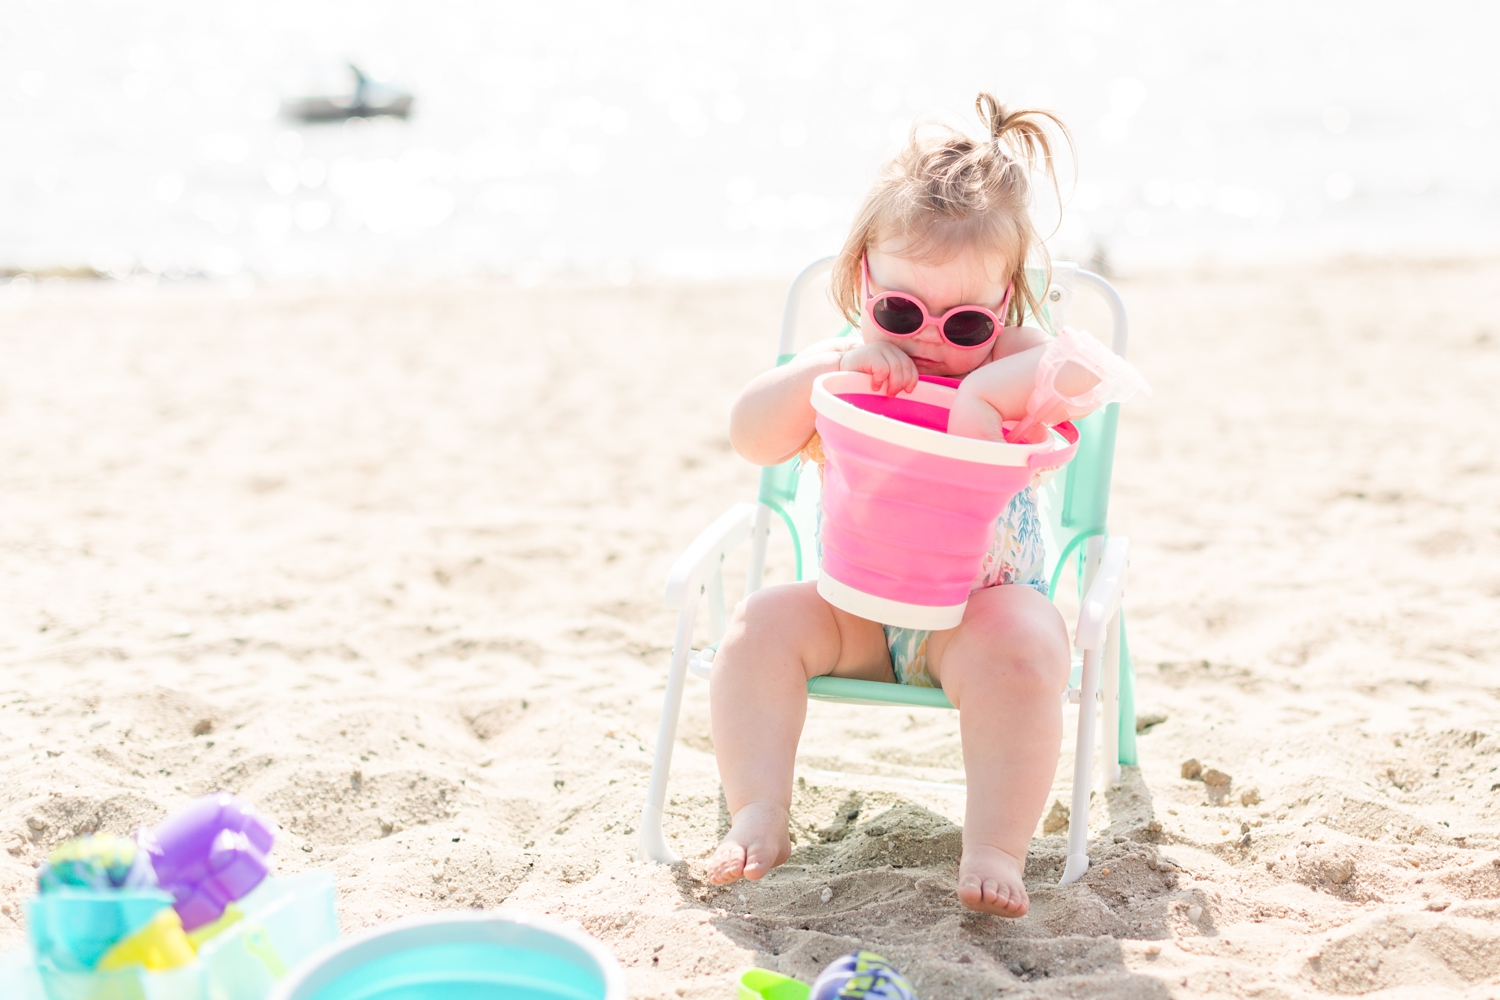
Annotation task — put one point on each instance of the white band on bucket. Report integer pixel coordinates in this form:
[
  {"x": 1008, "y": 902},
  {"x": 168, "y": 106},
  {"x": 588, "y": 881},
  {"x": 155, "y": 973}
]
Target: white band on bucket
[
  {"x": 825, "y": 399},
  {"x": 886, "y": 611}
]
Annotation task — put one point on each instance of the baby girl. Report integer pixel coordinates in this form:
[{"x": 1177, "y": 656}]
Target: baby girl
[{"x": 933, "y": 276}]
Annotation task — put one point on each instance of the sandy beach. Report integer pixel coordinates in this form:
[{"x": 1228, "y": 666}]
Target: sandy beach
[{"x": 387, "y": 560}]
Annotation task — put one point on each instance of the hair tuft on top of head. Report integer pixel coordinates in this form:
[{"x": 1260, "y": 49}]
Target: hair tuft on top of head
[{"x": 1022, "y": 131}]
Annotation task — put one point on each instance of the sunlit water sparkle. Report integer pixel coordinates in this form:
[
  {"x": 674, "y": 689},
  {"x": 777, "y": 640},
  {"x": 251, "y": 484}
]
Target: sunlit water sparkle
[{"x": 610, "y": 141}]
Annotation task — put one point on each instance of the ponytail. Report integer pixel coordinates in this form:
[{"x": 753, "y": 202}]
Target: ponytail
[{"x": 1021, "y": 136}]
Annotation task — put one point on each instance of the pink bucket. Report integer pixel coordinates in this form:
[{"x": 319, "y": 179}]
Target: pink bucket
[{"x": 908, "y": 509}]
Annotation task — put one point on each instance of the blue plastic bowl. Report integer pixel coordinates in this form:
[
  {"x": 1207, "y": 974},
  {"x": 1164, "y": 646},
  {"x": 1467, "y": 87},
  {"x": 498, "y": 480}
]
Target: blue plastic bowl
[{"x": 477, "y": 956}]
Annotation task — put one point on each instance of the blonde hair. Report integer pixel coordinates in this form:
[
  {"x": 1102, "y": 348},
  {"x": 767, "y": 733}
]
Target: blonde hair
[{"x": 945, "y": 191}]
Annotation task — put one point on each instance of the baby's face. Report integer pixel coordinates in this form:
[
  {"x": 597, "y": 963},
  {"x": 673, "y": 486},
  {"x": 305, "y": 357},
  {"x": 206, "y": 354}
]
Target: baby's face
[{"x": 967, "y": 278}]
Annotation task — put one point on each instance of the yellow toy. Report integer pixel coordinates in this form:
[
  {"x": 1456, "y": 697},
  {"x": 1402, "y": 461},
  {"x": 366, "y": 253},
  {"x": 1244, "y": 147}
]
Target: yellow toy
[{"x": 159, "y": 945}]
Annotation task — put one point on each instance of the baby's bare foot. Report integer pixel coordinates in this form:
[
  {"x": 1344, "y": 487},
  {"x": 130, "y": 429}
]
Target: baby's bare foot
[
  {"x": 757, "y": 842},
  {"x": 990, "y": 880}
]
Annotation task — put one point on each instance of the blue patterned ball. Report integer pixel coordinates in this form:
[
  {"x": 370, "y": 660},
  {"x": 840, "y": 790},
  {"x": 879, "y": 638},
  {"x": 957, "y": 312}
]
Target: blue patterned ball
[
  {"x": 861, "y": 975},
  {"x": 96, "y": 861}
]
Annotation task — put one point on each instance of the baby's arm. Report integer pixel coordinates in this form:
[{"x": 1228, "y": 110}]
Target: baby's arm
[
  {"x": 999, "y": 391},
  {"x": 773, "y": 416}
]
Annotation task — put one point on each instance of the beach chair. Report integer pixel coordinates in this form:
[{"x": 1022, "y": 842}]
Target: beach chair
[{"x": 1075, "y": 504}]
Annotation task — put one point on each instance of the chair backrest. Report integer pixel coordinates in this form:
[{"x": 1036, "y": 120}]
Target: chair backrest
[{"x": 1074, "y": 503}]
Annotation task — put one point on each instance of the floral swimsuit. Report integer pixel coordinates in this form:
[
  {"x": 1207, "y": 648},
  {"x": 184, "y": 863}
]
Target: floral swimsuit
[{"x": 1017, "y": 555}]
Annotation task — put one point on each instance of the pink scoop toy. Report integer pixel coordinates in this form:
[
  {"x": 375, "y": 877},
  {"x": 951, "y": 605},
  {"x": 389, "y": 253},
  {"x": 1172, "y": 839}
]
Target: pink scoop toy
[
  {"x": 209, "y": 854},
  {"x": 909, "y": 509},
  {"x": 1118, "y": 381}
]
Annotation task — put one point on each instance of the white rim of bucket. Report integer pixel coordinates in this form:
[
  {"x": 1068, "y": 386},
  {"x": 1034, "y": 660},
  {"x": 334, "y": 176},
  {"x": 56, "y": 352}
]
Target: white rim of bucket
[
  {"x": 614, "y": 977},
  {"x": 932, "y": 618},
  {"x": 826, "y": 401}
]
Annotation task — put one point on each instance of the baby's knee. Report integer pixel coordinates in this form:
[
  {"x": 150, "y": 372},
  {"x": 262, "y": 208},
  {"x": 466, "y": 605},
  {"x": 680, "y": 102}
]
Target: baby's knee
[
  {"x": 1042, "y": 665},
  {"x": 771, "y": 614},
  {"x": 765, "y": 607},
  {"x": 1033, "y": 649}
]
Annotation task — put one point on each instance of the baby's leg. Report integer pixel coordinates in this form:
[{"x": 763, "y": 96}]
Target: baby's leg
[
  {"x": 1004, "y": 668},
  {"x": 778, "y": 639}
]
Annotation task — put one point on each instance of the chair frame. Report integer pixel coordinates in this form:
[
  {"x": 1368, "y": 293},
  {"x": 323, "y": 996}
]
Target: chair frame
[{"x": 698, "y": 574}]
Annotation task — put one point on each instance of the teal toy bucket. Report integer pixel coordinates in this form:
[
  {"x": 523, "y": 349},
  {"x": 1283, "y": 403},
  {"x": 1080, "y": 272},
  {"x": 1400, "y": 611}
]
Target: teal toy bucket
[
  {"x": 474, "y": 955},
  {"x": 72, "y": 928},
  {"x": 285, "y": 921}
]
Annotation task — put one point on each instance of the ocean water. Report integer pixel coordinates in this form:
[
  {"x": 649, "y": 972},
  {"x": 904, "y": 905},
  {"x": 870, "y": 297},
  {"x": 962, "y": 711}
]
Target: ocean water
[{"x": 606, "y": 141}]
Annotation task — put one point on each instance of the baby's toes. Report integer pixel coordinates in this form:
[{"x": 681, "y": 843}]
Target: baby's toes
[
  {"x": 760, "y": 857},
  {"x": 1011, "y": 900},
  {"x": 727, "y": 864},
  {"x": 993, "y": 895}
]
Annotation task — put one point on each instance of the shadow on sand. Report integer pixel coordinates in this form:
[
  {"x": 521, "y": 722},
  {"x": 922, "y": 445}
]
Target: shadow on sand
[{"x": 886, "y": 882}]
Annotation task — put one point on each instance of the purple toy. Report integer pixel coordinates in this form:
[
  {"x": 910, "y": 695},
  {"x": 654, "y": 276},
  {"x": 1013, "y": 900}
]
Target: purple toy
[{"x": 208, "y": 854}]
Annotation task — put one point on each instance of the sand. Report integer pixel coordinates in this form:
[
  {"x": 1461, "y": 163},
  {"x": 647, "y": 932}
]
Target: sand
[{"x": 387, "y": 560}]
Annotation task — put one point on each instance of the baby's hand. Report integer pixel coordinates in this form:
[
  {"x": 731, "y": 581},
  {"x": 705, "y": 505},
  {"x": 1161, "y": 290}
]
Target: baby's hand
[{"x": 886, "y": 364}]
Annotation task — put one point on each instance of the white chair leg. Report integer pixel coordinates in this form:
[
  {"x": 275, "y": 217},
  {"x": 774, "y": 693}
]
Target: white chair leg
[
  {"x": 1083, "y": 770},
  {"x": 653, "y": 844},
  {"x": 760, "y": 533},
  {"x": 1110, "y": 710}
]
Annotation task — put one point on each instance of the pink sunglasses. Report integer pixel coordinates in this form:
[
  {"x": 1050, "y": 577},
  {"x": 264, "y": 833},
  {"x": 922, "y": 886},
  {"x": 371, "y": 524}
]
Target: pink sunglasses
[{"x": 901, "y": 315}]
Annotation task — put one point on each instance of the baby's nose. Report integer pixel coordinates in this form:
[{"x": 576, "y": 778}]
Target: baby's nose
[{"x": 930, "y": 333}]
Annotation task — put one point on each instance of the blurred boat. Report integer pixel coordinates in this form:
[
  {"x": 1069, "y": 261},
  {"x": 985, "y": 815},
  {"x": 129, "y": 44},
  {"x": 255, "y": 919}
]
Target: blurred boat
[{"x": 367, "y": 98}]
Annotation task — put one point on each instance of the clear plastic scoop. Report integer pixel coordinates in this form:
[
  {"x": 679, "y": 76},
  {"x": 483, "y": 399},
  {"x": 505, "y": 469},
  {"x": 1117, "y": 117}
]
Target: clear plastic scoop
[{"x": 1118, "y": 381}]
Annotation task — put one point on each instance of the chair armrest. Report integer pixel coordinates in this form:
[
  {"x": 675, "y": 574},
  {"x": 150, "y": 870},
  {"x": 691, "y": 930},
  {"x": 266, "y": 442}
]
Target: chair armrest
[
  {"x": 1103, "y": 598},
  {"x": 689, "y": 574}
]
